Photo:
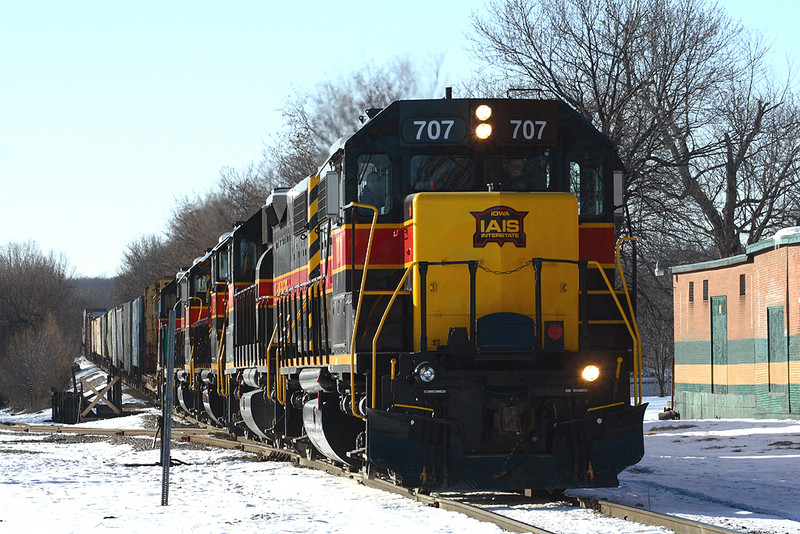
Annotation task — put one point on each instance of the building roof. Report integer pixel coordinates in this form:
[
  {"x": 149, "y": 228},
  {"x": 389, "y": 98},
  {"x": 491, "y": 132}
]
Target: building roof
[{"x": 785, "y": 237}]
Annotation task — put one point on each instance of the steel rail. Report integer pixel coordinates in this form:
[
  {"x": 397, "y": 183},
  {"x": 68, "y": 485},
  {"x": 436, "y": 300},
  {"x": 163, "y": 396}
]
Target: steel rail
[
  {"x": 648, "y": 517},
  {"x": 111, "y": 432}
]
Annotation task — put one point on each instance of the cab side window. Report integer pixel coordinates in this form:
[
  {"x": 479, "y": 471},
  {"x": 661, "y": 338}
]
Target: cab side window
[
  {"x": 375, "y": 182},
  {"x": 586, "y": 181},
  {"x": 247, "y": 259},
  {"x": 223, "y": 266}
]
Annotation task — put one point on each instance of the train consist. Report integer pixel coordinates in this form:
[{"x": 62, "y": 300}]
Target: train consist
[{"x": 436, "y": 303}]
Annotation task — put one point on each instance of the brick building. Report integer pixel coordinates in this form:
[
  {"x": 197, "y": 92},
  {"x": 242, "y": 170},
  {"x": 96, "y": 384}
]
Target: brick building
[{"x": 737, "y": 333}]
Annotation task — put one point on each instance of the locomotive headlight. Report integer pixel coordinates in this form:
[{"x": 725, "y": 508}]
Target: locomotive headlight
[
  {"x": 425, "y": 372},
  {"x": 483, "y": 112},
  {"x": 483, "y": 130},
  {"x": 590, "y": 373}
]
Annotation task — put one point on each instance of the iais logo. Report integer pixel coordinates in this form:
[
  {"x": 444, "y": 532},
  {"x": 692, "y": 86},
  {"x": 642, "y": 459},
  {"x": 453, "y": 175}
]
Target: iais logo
[{"x": 499, "y": 224}]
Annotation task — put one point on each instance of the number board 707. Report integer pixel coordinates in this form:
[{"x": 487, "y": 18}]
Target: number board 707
[{"x": 528, "y": 130}]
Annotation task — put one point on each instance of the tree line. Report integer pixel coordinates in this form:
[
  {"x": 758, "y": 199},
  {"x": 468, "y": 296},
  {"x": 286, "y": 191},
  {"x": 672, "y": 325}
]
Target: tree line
[{"x": 40, "y": 324}]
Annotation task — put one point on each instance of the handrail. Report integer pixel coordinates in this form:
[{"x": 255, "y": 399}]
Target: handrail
[
  {"x": 378, "y": 333},
  {"x": 619, "y": 307},
  {"x": 279, "y": 390},
  {"x": 192, "y": 381},
  {"x": 269, "y": 345},
  {"x": 251, "y": 287},
  {"x": 358, "y": 307},
  {"x": 633, "y": 329},
  {"x": 222, "y": 384},
  {"x": 294, "y": 320},
  {"x": 637, "y": 363}
]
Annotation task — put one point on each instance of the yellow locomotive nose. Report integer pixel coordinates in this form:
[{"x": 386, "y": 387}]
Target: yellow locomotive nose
[{"x": 503, "y": 233}]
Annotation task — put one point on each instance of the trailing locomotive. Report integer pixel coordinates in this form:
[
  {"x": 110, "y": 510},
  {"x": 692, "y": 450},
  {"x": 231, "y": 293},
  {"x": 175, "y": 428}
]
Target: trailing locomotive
[{"x": 436, "y": 303}]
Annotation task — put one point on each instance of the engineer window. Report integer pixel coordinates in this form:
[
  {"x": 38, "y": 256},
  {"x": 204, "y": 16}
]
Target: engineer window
[
  {"x": 201, "y": 287},
  {"x": 223, "y": 266},
  {"x": 441, "y": 173},
  {"x": 375, "y": 182},
  {"x": 531, "y": 173},
  {"x": 586, "y": 181},
  {"x": 247, "y": 260}
]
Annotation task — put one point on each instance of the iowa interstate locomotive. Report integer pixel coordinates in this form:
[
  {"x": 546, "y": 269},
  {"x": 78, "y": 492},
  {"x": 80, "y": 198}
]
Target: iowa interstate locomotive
[{"x": 436, "y": 303}]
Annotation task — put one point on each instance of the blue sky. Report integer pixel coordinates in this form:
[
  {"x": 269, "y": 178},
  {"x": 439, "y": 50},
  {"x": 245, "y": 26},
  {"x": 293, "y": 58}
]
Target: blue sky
[{"x": 110, "y": 110}]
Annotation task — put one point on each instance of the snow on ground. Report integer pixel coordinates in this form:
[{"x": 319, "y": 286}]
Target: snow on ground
[
  {"x": 56, "y": 483},
  {"x": 741, "y": 474}
]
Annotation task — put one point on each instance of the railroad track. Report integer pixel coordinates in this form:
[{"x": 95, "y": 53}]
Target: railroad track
[{"x": 212, "y": 436}]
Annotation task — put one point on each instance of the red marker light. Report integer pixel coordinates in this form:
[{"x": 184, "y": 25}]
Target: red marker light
[{"x": 555, "y": 331}]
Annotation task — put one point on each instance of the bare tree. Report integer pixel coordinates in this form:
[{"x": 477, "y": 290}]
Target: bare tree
[
  {"x": 144, "y": 261},
  {"x": 245, "y": 189},
  {"x": 317, "y": 117},
  {"x": 313, "y": 120},
  {"x": 41, "y": 359},
  {"x": 195, "y": 223},
  {"x": 680, "y": 88},
  {"x": 39, "y": 322}
]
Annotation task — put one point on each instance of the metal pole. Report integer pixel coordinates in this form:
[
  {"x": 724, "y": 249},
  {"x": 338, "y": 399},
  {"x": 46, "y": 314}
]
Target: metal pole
[
  {"x": 537, "y": 269},
  {"x": 423, "y": 299},
  {"x": 166, "y": 434},
  {"x": 473, "y": 314}
]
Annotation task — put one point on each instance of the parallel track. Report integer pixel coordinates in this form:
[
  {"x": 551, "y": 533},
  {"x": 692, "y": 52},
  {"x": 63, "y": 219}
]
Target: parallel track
[{"x": 212, "y": 436}]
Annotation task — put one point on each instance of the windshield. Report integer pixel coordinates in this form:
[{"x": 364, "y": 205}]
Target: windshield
[
  {"x": 442, "y": 173},
  {"x": 518, "y": 174},
  {"x": 439, "y": 172}
]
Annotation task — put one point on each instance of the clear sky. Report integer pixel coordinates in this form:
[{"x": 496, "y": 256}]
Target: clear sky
[{"x": 110, "y": 110}]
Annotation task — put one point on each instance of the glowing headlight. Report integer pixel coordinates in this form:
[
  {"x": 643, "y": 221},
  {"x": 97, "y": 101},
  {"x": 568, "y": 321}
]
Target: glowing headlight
[
  {"x": 590, "y": 373},
  {"x": 483, "y": 112},
  {"x": 425, "y": 372},
  {"x": 483, "y": 130}
]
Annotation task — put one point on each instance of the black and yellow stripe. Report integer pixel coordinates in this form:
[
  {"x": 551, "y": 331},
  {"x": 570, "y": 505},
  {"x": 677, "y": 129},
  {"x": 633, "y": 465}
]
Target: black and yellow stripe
[
  {"x": 313, "y": 253},
  {"x": 313, "y": 227}
]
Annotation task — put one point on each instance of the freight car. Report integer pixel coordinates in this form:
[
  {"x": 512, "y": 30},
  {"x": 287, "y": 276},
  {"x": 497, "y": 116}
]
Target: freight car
[
  {"x": 436, "y": 303},
  {"x": 125, "y": 339}
]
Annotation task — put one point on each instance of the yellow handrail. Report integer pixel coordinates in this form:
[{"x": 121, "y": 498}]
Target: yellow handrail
[
  {"x": 188, "y": 327},
  {"x": 281, "y": 380},
  {"x": 358, "y": 307},
  {"x": 619, "y": 306},
  {"x": 269, "y": 346},
  {"x": 192, "y": 381},
  {"x": 637, "y": 361},
  {"x": 279, "y": 389},
  {"x": 378, "y": 333},
  {"x": 222, "y": 384}
]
